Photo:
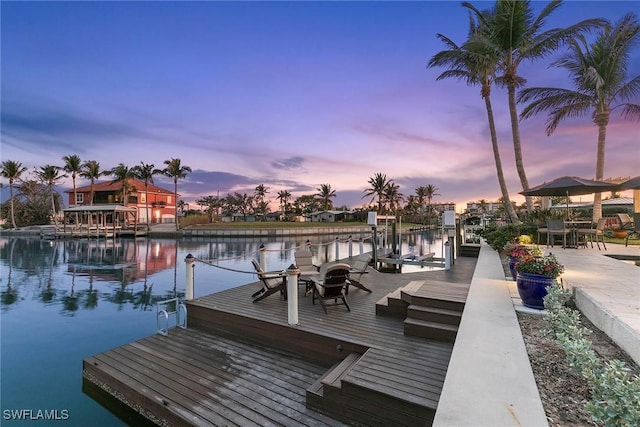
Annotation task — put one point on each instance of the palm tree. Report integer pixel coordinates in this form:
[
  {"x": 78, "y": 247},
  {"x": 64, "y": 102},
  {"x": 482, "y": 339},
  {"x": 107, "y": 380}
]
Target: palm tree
[
  {"x": 50, "y": 175},
  {"x": 284, "y": 196},
  {"x": 73, "y": 165},
  {"x": 122, "y": 174},
  {"x": 393, "y": 197},
  {"x": 599, "y": 73},
  {"x": 12, "y": 170},
  {"x": 476, "y": 65},
  {"x": 91, "y": 171},
  {"x": 177, "y": 171},
  {"x": 513, "y": 31},
  {"x": 145, "y": 172},
  {"x": 258, "y": 196},
  {"x": 325, "y": 194},
  {"x": 431, "y": 192},
  {"x": 378, "y": 185}
]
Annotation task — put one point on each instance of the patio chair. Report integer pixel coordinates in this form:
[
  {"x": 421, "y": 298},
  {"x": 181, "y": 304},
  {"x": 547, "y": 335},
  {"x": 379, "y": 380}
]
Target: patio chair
[
  {"x": 540, "y": 231},
  {"x": 626, "y": 223},
  {"x": 330, "y": 288},
  {"x": 635, "y": 229},
  {"x": 556, "y": 228},
  {"x": 272, "y": 282},
  {"x": 597, "y": 232},
  {"x": 308, "y": 270},
  {"x": 359, "y": 268}
]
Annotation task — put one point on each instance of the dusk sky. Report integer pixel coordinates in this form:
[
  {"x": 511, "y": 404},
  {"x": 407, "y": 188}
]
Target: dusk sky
[{"x": 286, "y": 94}]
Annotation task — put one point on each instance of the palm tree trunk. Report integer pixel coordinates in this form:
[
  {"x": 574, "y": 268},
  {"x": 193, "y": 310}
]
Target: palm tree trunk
[
  {"x": 13, "y": 216},
  {"x": 517, "y": 148},
  {"x": 146, "y": 203},
  {"x": 496, "y": 155},
  {"x": 53, "y": 205},
  {"x": 175, "y": 202},
  {"x": 602, "y": 136}
]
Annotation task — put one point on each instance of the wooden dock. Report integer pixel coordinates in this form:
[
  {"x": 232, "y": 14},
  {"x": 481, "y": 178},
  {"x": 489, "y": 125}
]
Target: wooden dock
[{"x": 240, "y": 363}]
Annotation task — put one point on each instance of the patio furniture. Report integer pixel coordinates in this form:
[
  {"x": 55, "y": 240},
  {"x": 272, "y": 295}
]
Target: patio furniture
[
  {"x": 635, "y": 230},
  {"x": 359, "y": 268},
  {"x": 330, "y": 288},
  {"x": 557, "y": 228},
  {"x": 308, "y": 270},
  {"x": 626, "y": 223},
  {"x": 272, "y": 282},
  {"x": 540, "y": 231},
  {"x": 597, "y": 232}
]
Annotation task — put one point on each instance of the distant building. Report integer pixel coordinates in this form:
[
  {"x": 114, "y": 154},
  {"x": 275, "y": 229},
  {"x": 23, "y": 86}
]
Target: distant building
[
  {"x": 331, "y": 216},
  {"x": 483, "y": 208},
  {"x": 162, "y": 206},
  {"x": 441, "y": 207}
]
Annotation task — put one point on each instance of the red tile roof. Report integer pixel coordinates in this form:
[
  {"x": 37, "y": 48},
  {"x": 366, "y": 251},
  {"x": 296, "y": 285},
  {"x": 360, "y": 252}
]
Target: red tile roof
[{"x": 117, "y": 186}]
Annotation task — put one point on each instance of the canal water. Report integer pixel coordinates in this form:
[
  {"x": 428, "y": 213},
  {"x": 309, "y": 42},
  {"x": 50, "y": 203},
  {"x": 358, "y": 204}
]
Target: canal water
[{"x": 64, "y": 300}]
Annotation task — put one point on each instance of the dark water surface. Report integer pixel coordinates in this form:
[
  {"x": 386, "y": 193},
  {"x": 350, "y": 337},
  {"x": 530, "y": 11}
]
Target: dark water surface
[{"x": 64, "y": 300}]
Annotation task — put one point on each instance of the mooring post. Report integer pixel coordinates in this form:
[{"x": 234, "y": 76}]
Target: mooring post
[
  {"x": 350, "y": 246},
  {"x": 361, "y": 244},
  {"x": 447, "y": 256},
  {"x": 337, "y": 249},
  {"x": 190, "y": 260},
  {"x": 263, "y": 256},
  {"x": 292, "y": 294}
]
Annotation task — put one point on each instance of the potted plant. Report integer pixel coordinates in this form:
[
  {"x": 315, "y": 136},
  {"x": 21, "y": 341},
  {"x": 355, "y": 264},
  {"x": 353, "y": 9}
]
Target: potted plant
[
  {"x": 516, "y": 252},
  {"x": 535, "y": 274}
]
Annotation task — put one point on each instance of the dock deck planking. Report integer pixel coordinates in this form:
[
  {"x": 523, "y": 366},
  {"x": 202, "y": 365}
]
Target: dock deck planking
[{"x": 240, "y": 363}]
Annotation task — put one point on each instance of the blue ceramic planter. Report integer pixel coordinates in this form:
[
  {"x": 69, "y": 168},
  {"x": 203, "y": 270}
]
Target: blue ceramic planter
[{"x": 532, "y": 289}]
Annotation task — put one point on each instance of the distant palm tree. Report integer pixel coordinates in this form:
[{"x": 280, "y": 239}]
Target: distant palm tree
[
  {"x": 476, "y": 64},
  {"x": 284, "y": 196},
  {"x": 145, "y": 172},
  {"x": 73, "y": 165},
  {"x": 122, "y": 174},
  {"x": 259, "y": 194},
  {"x": 513, "y": 31},
  {"x": 91, "y": 171},
  {"x": 598, "y": 72},
  {"x": 12, "y": 170},
  {"x": 393, "y": 197},
  {"x": 50, "y": 175},
  {"x": 176, "y": 171},
  {"x": 378, "y": 185},
  {"x": 325, "y": 194}
]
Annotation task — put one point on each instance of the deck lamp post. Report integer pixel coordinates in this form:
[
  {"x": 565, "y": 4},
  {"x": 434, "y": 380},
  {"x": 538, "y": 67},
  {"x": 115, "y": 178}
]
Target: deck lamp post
[
  {"x": 292, "y": 294},
  {"x": 190, "y": 260}
]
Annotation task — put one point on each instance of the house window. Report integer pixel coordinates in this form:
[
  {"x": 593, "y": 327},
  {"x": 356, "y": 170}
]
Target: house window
[
  {"x": 79, "y": 198},
  {"x": 143, "y": 197},
  {"x": 168, "y": 200}
]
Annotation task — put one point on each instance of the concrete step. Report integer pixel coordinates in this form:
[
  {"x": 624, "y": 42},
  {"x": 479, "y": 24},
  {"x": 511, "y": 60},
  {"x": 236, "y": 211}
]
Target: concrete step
[{"x": 433, "y": 314}]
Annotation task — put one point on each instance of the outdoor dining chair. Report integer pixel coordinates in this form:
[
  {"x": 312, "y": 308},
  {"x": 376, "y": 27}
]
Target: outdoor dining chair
[
  {"x": 597, "y": 232},
  {"x": 330, "y": 288},
  {"x": 557, "y": 228}
]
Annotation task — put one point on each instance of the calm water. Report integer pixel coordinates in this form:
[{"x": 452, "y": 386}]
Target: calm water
[{"x": 63, "y": 301}]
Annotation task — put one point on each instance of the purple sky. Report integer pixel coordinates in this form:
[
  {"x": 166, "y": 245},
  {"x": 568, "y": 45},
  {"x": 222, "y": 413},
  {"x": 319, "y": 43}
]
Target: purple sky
[{"x": 286, "y": 94}]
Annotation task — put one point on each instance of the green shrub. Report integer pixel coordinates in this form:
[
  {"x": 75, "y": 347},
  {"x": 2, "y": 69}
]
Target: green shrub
[{"x": 615, "y": 395}]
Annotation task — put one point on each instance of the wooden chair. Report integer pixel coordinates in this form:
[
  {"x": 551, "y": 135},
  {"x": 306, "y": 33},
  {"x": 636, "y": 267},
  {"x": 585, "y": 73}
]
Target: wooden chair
[
  {"x": 330, "y": 288},
  {"x": 272, "y": 282},
  {"x": 626, "y": 223},
  {"x": 597, "y": 232},
  {"x": 308, "y": 270},
  {"x": 359, "y": 268},
  {"x": 555, "y": 228}
]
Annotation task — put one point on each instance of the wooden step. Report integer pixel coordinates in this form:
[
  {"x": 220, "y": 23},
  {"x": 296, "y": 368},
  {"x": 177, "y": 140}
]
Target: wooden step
[
  {"x": 324, "y": 394},
  {"x": 408, "y": 290},
  {"x": 434, "y": 314},
  {"x": 334, "y": 376},
  {"x": 431, "y": 330},
  {"x": 391, "y": 305}
]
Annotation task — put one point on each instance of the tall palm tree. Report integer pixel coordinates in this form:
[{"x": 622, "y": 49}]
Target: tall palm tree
[
  {"x": 145, "y": 172},
  {"x": 516, "y": 34},
  {"x": 599, "y": 75},
  {"x": 377, "y": 186},
  {"x": 431, "y": 192},
  {"x": 325, "y": 193},
  {"x": 91, "y": 171},
  {"x": 12, "y": 170},
  {"x": 50, "y": 175},
  {"x": 393, "y": 197},
  {"x": 284, "y": 196},
  {"x": 259, "y": 194},
  {"x": 122, "y": 174},
  {"x": 176, "y": 171},
  {"x": 476, "y": 65},
  {"x": 73, "y": 165}
]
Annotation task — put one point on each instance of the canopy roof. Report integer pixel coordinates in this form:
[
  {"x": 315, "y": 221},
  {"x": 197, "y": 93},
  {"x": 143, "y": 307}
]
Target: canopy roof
[{"x": 100, "y": 208}]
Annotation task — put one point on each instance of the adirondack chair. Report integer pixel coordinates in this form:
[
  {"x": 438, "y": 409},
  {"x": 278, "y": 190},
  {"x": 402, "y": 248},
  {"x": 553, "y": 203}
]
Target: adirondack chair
[
  {"x": 330, "y": 288},
  {"x": 272, "y": 282}
]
